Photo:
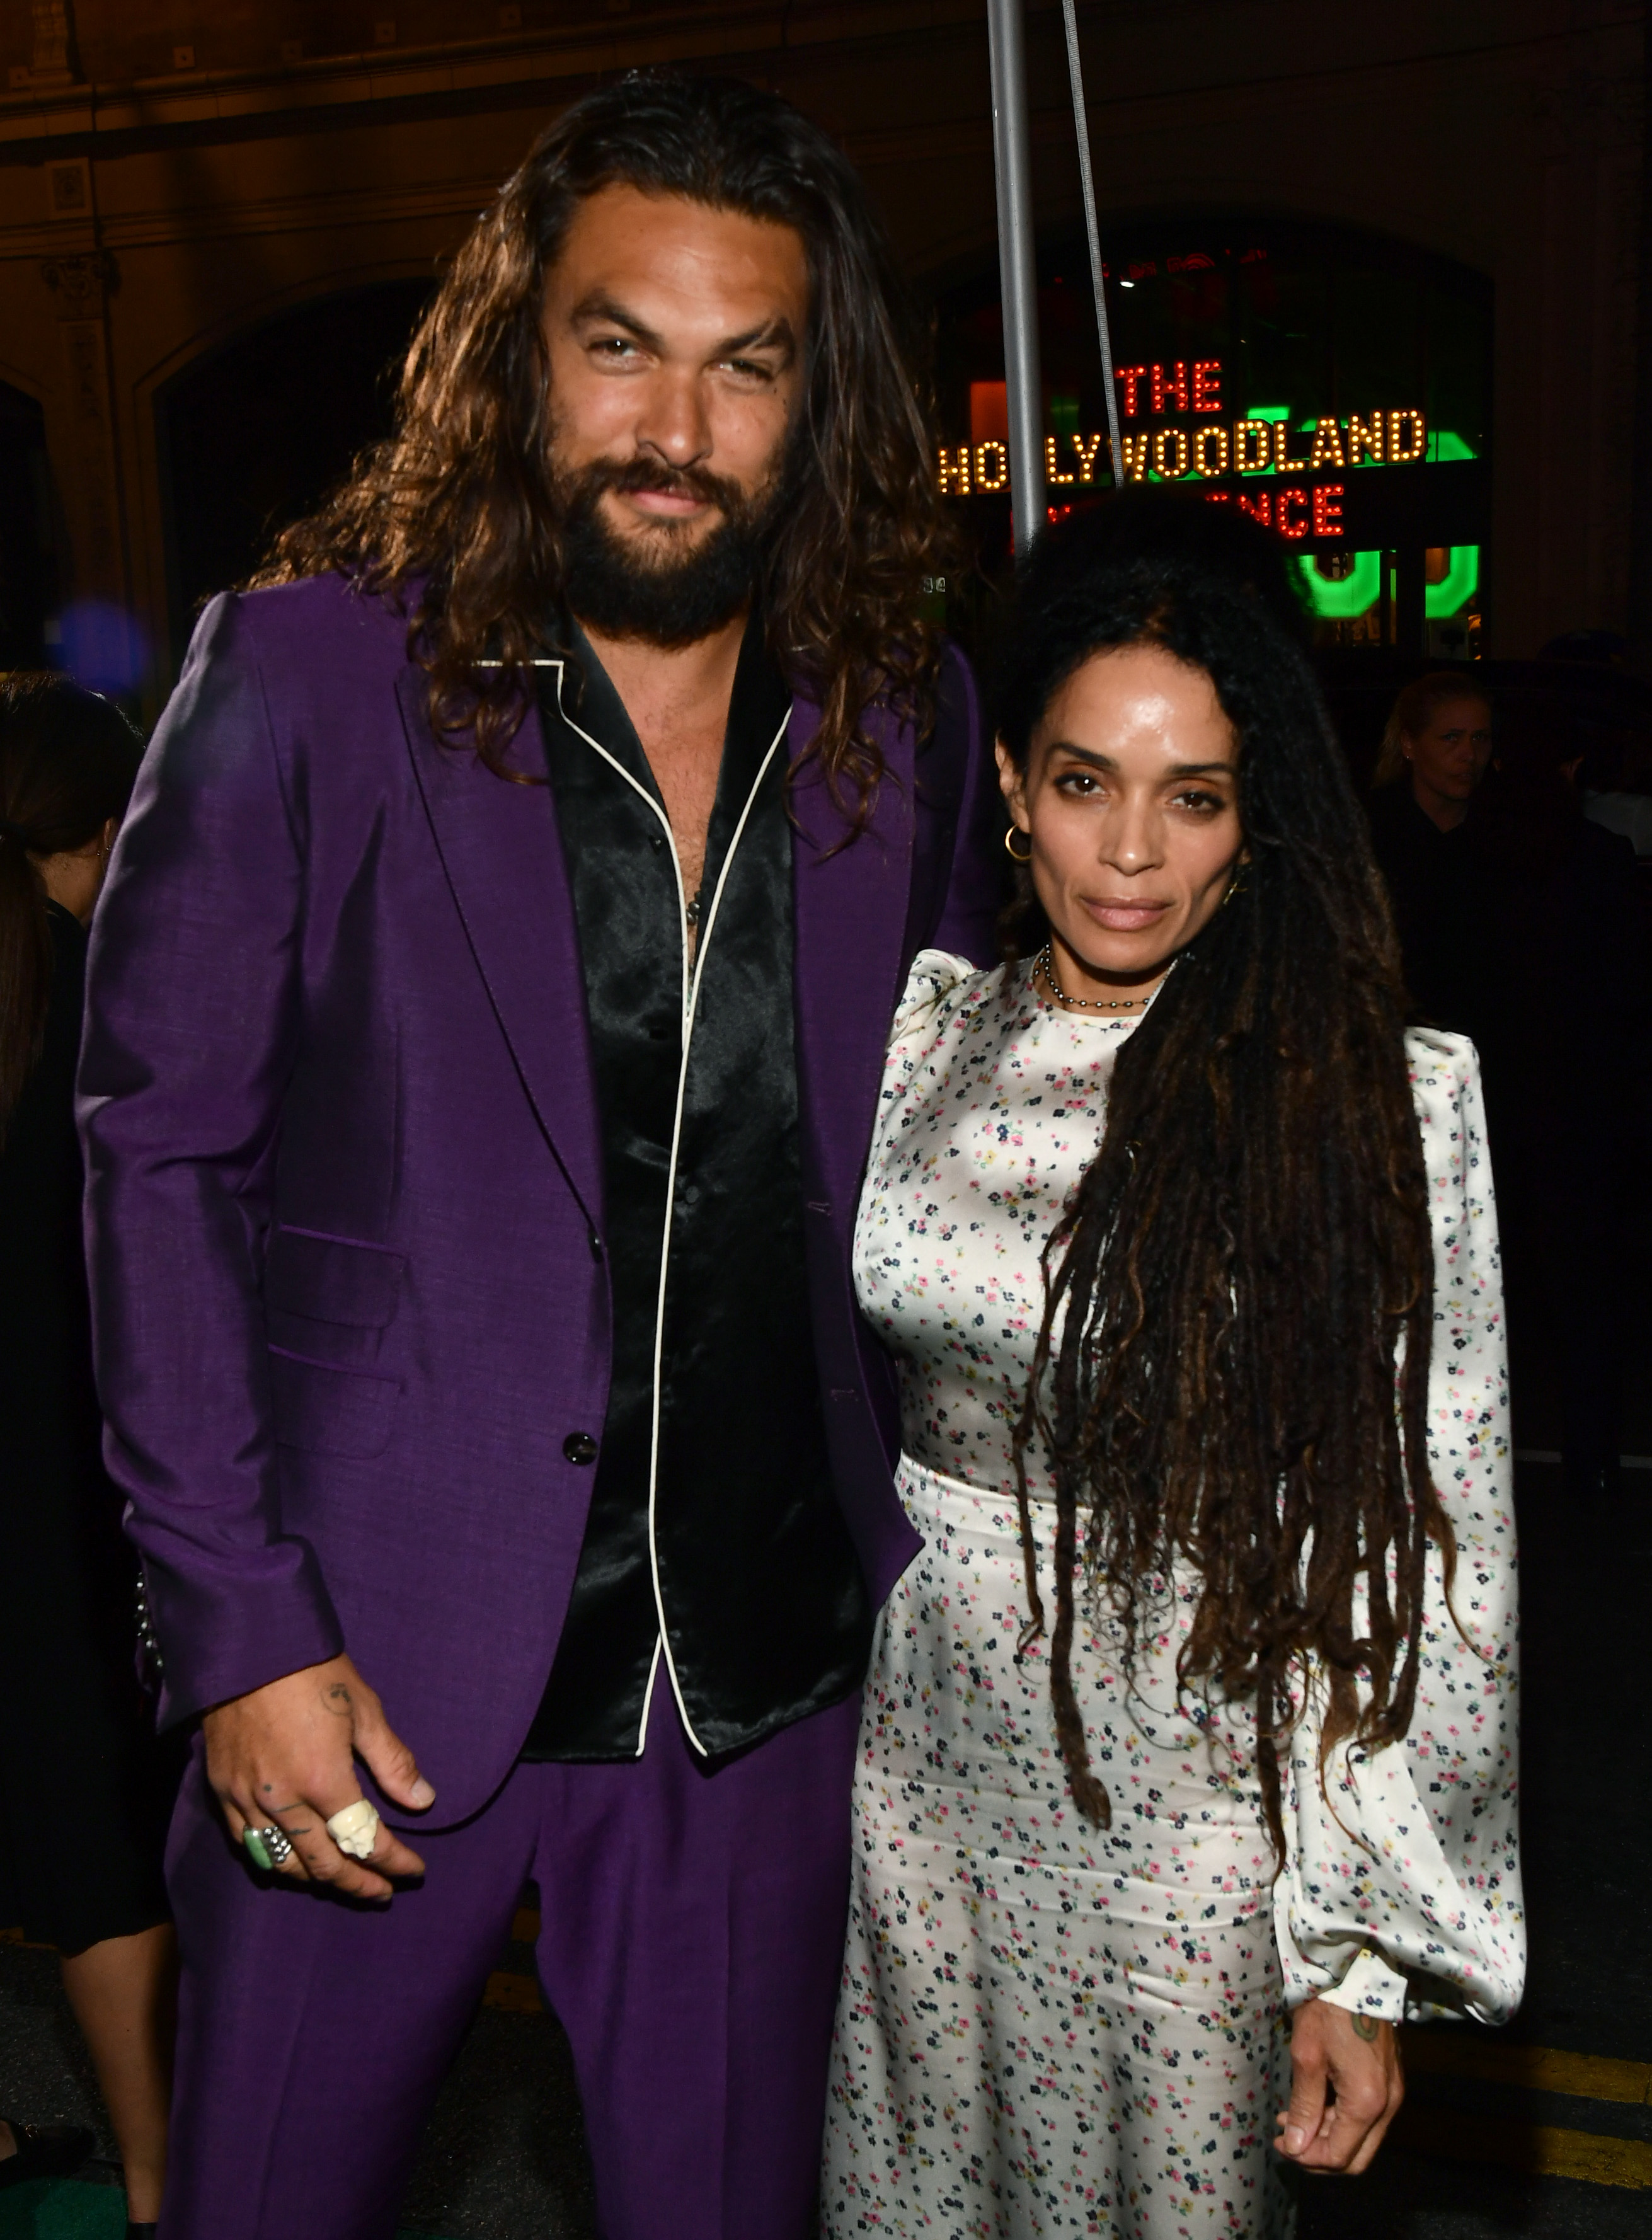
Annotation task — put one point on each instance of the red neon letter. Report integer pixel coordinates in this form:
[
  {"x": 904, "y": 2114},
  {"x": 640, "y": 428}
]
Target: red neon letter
[
  {"x": 1328, "y": 509},
  {"x": 1207, "y": 384},
  {"x": 1170, "y": 381},
  {"x": 1259, "y": 508},
  {"x": 1293, "y": 528},
  {"x": 1130, "y": 375}
]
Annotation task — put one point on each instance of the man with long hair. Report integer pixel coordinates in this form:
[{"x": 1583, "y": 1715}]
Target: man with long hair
[{"x": 486, "y": 1027}]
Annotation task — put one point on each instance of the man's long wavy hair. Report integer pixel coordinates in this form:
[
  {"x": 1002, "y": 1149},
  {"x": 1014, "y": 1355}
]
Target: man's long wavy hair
[
  {"x": 457, "y": 507},
  {"x": 1250, "y": 1250}
]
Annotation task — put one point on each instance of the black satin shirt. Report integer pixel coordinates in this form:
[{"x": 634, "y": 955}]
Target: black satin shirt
[{"x": 716, "y": 1561}]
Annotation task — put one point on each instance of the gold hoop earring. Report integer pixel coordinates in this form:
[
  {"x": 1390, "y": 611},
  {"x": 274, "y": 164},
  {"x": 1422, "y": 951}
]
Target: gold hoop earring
[{"x": 1010, "y": 845}]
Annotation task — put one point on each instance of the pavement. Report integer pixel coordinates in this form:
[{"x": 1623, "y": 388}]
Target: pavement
[{"x": 1542, "y": 2130}]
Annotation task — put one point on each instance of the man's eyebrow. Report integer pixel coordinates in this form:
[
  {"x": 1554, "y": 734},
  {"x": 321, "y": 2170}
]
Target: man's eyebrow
[
  {"x": 1106, "y": 762},
  {"x": 772, "y": 334},
  {"x": 599, "y": 304}
]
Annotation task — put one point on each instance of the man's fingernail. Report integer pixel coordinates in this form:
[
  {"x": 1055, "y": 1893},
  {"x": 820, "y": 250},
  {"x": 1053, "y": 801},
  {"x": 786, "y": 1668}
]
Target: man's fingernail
[
  {"x": 422, "y": 1793},
  {"x": 1293, "y": 2138}
]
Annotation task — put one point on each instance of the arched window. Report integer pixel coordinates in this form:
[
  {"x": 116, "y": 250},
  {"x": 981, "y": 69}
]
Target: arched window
[
  {"x": 30, "y": 589},
  {"x": 1335, "y": 383},
  {"x": 255, "y": 433}
]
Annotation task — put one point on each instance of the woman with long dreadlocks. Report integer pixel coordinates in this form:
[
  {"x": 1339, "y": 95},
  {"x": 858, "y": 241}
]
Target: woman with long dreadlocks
[{"x": 1188, "y": 1755}]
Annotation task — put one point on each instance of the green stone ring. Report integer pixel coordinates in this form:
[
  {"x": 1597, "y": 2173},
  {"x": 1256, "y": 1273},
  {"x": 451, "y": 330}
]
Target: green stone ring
[{"x": 268, "y": 1848}]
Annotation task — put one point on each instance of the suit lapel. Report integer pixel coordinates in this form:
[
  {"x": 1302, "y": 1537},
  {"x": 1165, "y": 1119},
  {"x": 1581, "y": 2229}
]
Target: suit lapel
[
  {"x": 851, "y": 906},
  {"x": 502, "y": 858}
]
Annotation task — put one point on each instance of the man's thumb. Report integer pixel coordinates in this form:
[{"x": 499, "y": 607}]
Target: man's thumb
[
  {"x": 1306, "y": 2105},
  {"x": 388, "y": 1758}
]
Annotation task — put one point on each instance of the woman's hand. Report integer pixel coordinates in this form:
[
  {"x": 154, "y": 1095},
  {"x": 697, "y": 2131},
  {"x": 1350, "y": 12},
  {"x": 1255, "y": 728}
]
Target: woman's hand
[{"x": 1345, "y": 2088}]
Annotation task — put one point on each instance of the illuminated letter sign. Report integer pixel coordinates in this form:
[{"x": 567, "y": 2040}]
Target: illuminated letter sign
[
  {"x": 1202, "y": 444},
  {"x": 1253, "y": 441},
  {"x": 1131, "y": 376},
  {"x": 1170, "y": 381},
  {"x": 953, "y": 471},
  {"x": 1134, "y": 448},
  {"x": 1394, "y": 436},
  {"x": 1366, "y": 437}
]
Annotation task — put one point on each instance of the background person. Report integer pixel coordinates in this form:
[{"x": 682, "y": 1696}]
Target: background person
[
  {"x": 1566, "y": 926},
  {"x": 1143, "y": 1763},
  {"x": 1434, "y": 753},
  {"x": 473, "y": 1165},
  {"x": 85, "y": 1787}
]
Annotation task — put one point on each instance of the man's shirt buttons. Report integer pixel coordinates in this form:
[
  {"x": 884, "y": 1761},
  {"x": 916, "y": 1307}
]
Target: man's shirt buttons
[{"x": 580, "y": 1446}]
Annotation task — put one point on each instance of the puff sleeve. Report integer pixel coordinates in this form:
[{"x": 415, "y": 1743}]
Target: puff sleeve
[{"x": 1401, "y": 1892}]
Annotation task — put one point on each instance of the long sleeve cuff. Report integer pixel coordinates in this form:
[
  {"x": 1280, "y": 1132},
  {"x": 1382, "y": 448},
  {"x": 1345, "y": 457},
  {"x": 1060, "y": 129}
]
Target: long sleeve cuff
[{"x": 1369, "y": 1987}]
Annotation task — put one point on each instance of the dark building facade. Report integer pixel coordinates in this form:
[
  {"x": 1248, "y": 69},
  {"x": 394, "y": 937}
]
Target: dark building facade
[{"x": 1412, "y": 238}]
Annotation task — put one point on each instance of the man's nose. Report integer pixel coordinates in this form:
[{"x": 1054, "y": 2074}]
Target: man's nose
[{"x": 673, "y": 423}]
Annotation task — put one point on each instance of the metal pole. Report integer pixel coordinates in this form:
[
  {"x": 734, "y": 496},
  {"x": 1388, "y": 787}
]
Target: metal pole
[
  {"x": 1081, "y": 126},
  {"x": 1017, "y": 269}
]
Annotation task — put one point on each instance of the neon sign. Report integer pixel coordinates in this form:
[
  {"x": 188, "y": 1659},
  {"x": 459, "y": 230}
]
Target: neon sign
[
  {"x": 1258, "y": 442},
  {"x": 1251, "y": 446}
]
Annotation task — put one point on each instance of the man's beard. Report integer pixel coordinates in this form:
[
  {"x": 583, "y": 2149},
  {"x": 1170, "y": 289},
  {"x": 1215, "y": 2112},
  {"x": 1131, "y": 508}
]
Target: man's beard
[{"x": 655, "y": 585}]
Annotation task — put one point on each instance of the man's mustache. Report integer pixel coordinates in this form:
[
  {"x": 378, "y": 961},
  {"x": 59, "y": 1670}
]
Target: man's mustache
[{"x": 628, "y": 476}]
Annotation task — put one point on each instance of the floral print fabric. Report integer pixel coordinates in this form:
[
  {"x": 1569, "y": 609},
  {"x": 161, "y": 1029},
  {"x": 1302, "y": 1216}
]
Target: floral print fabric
[{"x": 1046, "y": 2028}]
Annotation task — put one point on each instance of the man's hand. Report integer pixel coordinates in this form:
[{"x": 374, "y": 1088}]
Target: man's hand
[
  {"x": 1345, "y": 2088},
  {"x": 285, "y": 1753}
]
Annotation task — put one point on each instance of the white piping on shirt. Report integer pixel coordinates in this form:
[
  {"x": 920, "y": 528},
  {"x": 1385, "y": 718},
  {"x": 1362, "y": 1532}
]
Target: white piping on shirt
[{"x": 690, "y": 999}]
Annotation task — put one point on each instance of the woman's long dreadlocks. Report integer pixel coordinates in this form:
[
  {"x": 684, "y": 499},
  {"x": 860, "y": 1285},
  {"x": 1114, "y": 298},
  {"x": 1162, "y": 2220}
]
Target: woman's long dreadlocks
[{"x": 1216, "y": 1379}]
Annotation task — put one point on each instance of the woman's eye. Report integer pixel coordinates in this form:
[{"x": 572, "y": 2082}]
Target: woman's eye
[
  {"x": 1078, "y": 782},
  {"x": 1207, "y": 804}
]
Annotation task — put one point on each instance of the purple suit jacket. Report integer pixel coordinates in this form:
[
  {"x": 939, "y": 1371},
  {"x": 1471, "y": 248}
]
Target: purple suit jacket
[{"x": 344, "y": 1181}]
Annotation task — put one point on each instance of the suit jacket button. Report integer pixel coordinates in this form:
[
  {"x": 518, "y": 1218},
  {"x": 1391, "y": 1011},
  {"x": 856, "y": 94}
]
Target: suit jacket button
[{"x": 580, "y": 1446}]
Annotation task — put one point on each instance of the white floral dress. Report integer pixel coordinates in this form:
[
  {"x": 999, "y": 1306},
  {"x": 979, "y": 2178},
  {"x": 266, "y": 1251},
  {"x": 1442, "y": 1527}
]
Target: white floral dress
[{"x": 1046, "y": 2028}]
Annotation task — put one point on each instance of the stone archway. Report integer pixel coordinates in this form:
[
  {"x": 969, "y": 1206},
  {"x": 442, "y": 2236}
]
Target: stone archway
[
  {"x": 30, "y": 589},
  {"x": 251, "y": 434}
]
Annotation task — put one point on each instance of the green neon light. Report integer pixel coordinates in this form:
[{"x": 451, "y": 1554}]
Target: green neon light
[
  {"x": 1340, "y": 600},
  {"x": 1358, "y": 592},
  {"x": 1461, "y": 581},
  {"x": 1443, "y": 444}
]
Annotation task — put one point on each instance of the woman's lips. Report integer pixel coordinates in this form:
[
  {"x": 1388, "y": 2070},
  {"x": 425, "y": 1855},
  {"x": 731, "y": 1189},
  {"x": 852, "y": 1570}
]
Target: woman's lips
[{"x": 1125, "y": 917}]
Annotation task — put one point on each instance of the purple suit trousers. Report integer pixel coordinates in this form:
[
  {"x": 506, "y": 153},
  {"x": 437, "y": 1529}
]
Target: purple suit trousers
[
  {"x": 344, "y": 1211},
  {"x": 691, "y": 1941}
]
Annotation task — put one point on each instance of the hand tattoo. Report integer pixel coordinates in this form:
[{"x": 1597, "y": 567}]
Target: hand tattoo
[
  {"x": 337, "y": 1700},
  {"x": 1367, "y": 2027}
]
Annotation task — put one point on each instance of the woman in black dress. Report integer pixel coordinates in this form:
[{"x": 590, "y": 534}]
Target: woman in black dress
[{"x": 84, "y": 1785}]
